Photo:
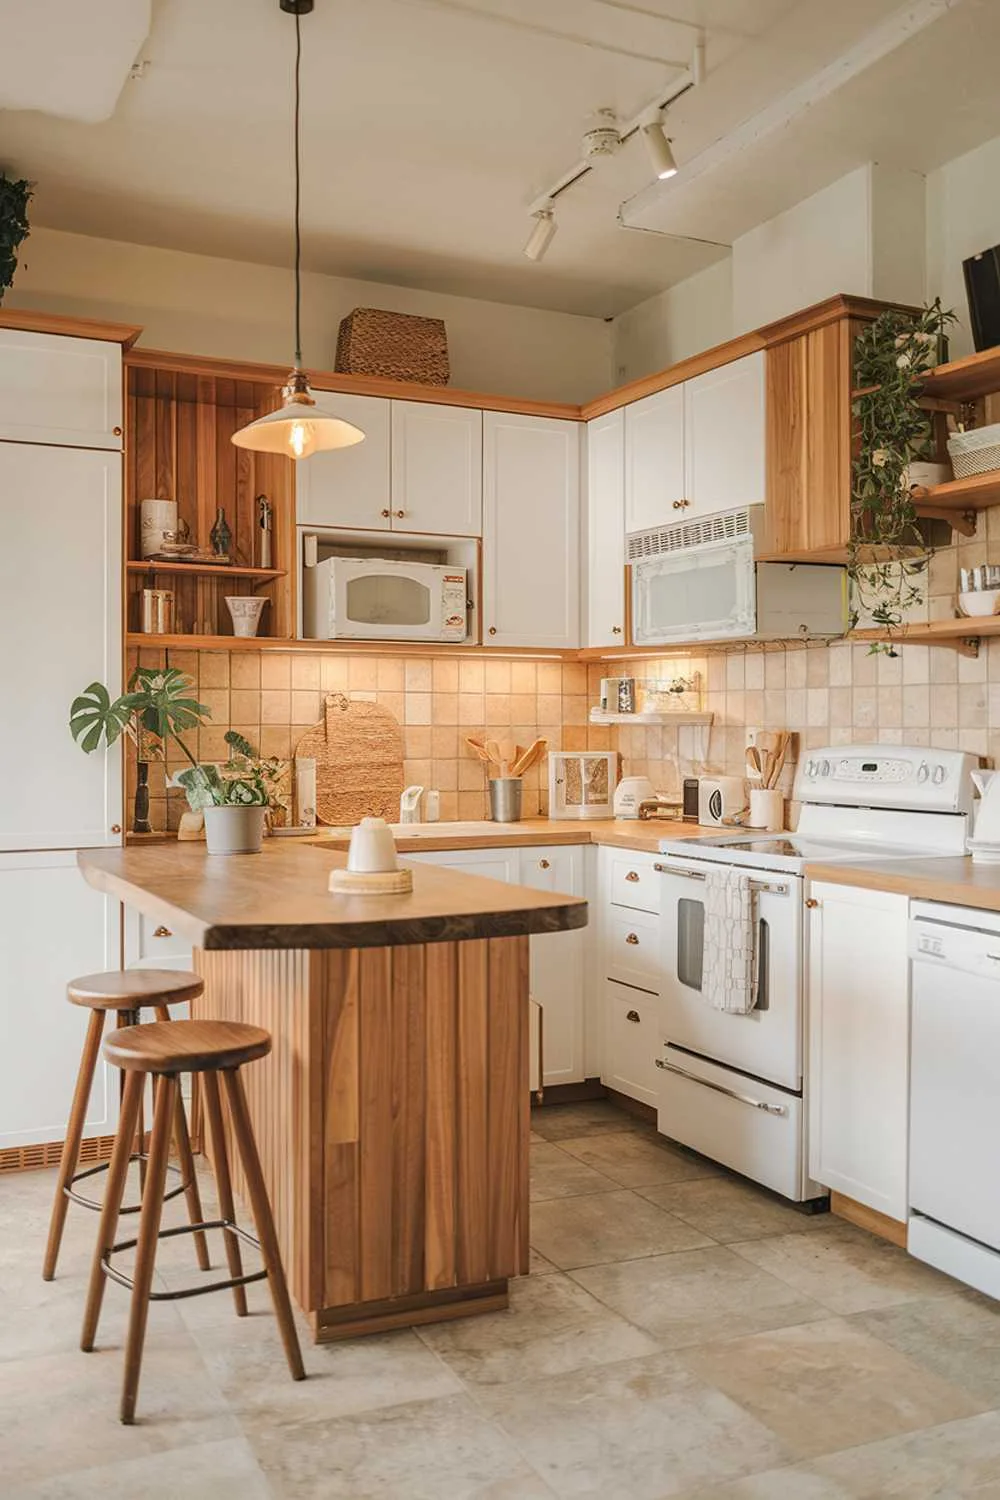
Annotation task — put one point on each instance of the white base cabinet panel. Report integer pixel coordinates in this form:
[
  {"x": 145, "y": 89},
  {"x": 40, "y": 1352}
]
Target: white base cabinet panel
[
  {"x": 858, "y": 1022},
  {"x": 53, "y": 927},
  {"x": 631, "y": 1041}
]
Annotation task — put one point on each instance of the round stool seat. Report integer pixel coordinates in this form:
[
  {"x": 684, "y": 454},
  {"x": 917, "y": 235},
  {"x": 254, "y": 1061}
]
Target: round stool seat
[
  {"x": 130, "y": 989},
  {"x": 186, "y": 1046}
]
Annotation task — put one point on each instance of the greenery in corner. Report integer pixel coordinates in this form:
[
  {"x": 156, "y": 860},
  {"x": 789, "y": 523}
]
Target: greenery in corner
[
  {"x": 887, "y": 558},
  {"x": 244, "y": 781},
  {"x": 15, "y": 196},
  {"x": 158, "y": 704}
]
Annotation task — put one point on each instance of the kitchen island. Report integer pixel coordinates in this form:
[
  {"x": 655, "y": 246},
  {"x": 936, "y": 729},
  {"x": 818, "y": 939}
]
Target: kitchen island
[{"x": 392, "y": 1115}]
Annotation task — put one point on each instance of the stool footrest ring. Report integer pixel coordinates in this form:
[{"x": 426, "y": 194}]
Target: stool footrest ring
[
  {"x": 127, "y": 1208},
  {"x": 226, "y": 1225}
]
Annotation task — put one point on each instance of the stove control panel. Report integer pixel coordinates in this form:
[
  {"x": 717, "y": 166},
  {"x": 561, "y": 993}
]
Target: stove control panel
[{"x": 916, "y": 777}]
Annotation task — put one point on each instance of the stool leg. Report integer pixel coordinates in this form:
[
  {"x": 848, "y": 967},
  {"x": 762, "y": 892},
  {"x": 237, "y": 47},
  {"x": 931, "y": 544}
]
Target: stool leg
[
  {"x": 113, "y": 1191},
  {"x": 259, "y": 1202},
  {"x": 133, "y": 1018},
  {"x": 149, "y": 1229},
  {"x": 74, "y": 1134},
  {"x": 220, "y": 1160},
  {"x": 185, "y": 1158}
]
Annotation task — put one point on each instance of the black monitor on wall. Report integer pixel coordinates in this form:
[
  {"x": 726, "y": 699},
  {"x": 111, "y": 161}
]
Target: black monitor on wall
[{"x": 982, "y": 287}]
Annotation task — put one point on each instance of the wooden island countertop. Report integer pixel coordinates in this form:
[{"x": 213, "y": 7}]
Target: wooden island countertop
[{"x": 392, "y": 1114}]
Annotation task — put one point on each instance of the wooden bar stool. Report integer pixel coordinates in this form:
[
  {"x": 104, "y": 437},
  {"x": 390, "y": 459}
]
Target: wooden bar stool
[
  {"x": 127, "y": 992},
  {"x": 165, "y": 1050}
]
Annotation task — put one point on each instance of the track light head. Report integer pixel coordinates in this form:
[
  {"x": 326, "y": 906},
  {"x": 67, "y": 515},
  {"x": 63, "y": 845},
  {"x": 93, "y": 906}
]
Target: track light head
[
  {"x": 660, "y": 153},
  {"x": 542, "y": 232}
]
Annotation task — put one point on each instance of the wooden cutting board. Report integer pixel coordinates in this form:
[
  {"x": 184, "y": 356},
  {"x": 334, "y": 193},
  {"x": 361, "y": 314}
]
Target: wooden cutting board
[{"x": 358, "y": 749}]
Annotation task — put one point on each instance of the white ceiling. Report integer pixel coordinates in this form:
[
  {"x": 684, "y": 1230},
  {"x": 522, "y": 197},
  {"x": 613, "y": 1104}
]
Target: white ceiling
[{"x": 429, "y": 126}]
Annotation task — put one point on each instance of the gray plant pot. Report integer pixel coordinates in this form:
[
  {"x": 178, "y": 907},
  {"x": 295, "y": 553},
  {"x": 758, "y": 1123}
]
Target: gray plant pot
[{"x": 234, "y": 830}]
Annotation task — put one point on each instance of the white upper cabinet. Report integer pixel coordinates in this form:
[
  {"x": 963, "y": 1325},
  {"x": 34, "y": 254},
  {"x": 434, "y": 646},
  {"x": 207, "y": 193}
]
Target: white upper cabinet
[
  {"x": 60, "y": 622},
  {"x": 349, "y": 487},
  {"x": 60, "y": 390},
  {"x": 724, "y": 437},
  {"x": 654, "y": 460},
  {"x": 531, "y": 548},
  {"x": 606, "y": 529},
  {"x": 437, "y": 469}
]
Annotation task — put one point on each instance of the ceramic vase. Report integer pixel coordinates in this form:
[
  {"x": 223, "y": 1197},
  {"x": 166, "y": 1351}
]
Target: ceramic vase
[
  {"x": 234, "y": 830},
  {"x": 246, "y": 611}
]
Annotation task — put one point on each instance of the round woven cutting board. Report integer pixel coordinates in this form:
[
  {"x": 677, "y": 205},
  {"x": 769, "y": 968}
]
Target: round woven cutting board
[{"x": 358, "y": 749}]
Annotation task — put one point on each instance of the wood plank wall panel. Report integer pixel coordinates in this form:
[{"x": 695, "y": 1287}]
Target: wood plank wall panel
[
  {"x": 409, "y": 1109},
  {"x": 375, "y": 1068},
  {"x": 340, "y": 1070},
  {"x": 808, "y": 444},
  {"x": 442, "y": 1063},
  {"x": 508, "y": 1104},
  {"x": 472, "y": 1162}
]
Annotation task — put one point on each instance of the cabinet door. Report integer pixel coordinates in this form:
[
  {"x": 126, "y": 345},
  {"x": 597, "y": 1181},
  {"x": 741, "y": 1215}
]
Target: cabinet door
[
  {"x": 724, "y": 429},
  {"x": 60, "y": 624},
  {"x": 349, "y": 486},
  {"x": 531, "y": 546},
  {"x": 606, "y": 529},
  {"x": 632, "y": 1041},
  {"x": 557, "y": 965},
  {"x": 858, "y": 1007},
  {"x": 654, "y": 460},
  {"x": 60, "y": 390},
  {"x": 52, "y": 926},
  {"x": 495, "y": 864},
  {"x": 437, "y": 469}
]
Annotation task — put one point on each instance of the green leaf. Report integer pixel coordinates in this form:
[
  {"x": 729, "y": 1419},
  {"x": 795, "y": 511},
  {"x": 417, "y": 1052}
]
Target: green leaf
[{"x": 93, "y": 717}]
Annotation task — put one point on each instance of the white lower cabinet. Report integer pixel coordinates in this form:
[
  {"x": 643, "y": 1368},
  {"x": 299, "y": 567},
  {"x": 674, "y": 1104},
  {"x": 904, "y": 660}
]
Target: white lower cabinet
[
  {"x": 53, "y": 927},
  {"x": 858, "y": 1021},
  {"x": 628, "y": 943},
  {"x": 150, "y": 944},
  {"x": 631, "y": 1041}
]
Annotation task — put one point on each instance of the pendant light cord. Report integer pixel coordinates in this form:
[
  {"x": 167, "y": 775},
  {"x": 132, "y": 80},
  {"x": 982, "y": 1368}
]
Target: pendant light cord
[{"x": 298, "y": 173}]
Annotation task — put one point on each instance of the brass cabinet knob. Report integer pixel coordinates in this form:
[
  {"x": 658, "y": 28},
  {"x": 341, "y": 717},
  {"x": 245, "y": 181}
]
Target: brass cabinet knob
[
  {"x": 678, "y": 505},
  {"x": 387, "y": 512},
  {"x": 811, "y": 902},
  {"x": 400, "y": 514},
  {"x": 632, "y": 876},
  {"x": 162, "y": 932},
  {"x": 633, "y": 939},
  {"x": 543, "y": 864},
  {"x": 616, "y": 630},
  {"x": 493, "y": 630},
  {"x": 116, "y": 828},
  {"x": 633, "y": 1016},
  {"x": 116, "y": 431}
]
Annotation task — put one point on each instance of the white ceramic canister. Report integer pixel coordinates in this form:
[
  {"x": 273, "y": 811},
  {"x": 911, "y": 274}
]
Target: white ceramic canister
[
  {"x": 156, "y": 518},
  {"x": 767, "y": 809},
  {"x": 246, "y": 610}
]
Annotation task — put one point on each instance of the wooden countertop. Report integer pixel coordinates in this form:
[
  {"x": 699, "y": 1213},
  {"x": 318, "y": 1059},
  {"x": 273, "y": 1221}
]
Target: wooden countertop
[
  {"x": 955, "y": 880},
  {"x": 279, "y": 899},
  {"x": 622, "y": 833}
]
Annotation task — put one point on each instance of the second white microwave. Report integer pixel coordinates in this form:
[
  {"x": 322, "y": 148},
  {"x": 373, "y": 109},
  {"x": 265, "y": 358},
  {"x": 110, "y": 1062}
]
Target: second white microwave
[{"x": 376, "y": 599}]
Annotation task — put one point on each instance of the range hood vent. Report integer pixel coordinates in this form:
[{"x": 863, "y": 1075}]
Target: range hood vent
[{"x": 727, "y": 527}]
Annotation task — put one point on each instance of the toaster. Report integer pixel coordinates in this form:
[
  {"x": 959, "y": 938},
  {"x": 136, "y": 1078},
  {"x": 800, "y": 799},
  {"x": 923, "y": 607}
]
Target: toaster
[{"x": 721, "y": 799}]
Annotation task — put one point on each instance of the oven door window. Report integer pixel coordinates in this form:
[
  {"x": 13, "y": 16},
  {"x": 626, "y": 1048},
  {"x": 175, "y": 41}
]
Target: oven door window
[
  {"x": 691, "y": 950},
  {"x": 388, "y": 599}
]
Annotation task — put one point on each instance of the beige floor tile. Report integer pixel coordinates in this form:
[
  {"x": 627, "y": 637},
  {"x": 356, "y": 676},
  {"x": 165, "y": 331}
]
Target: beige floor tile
[
  {"x": 204, "y": 1472},
  {"x": 825, "y": 1386},
  {"x": 846, "y": 1269},
  {"x": 637, "y": 1161},
  {"x": 604, "y": 1227},
  {"x": 697, "y": 1296},
  {"x": 636, "y": 1430},
  {"x": 429, "y": 1450},
  {"x": 730, "y": 1210},
  {"x": 956, "y": 1337},
  {"x": 538, "y": 1265},
  {"x": 551, "y": 1327},
  {"x": 555, "y": 1122},
  {"x": 556, "y": 1174}
]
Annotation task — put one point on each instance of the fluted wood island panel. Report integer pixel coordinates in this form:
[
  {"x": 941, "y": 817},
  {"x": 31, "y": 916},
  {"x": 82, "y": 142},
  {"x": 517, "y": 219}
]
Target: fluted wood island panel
[{"x": 392, "y": 1115}]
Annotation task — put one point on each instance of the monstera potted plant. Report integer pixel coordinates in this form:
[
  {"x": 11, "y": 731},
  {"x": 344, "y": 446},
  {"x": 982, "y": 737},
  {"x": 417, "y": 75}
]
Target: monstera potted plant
[{"x": 234, "y": 798}]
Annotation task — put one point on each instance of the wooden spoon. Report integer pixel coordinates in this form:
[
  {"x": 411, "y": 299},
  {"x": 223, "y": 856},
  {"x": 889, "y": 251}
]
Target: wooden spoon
[{"x": 529, "y": 757}]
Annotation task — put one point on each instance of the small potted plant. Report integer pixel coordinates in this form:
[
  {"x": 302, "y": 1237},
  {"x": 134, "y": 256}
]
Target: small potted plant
[{"x": 234, "y": 798}]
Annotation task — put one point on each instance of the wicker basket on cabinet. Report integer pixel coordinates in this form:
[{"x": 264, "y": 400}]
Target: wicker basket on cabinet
[{"x": 398, "y": 346}]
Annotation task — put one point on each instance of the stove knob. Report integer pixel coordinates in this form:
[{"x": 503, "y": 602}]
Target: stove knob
[
  {"x": 824, "y": 769},
  {"x": 938, "y": 775},
  {"x": 811, "y": 768},
  {"x": 923, "y": 771}
]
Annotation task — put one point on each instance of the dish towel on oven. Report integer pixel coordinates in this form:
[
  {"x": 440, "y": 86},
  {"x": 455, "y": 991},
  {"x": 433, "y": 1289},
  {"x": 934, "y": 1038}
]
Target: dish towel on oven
[{"x": 729, "y": 973}]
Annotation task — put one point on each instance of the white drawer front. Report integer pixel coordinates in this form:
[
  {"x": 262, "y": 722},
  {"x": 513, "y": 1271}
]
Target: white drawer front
[
  {"x": 633, "y": 948},
  {"x": 631, "y": 1040},
  {"x": 634, "y": 882},
  {"x": 157, "y": 940}
]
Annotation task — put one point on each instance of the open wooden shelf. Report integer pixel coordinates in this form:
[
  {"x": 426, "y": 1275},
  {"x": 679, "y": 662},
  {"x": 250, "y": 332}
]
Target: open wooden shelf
[
  {"x": 214, "y": 570},
  {"x": 965, "y": 379},
  {"x": 650, "y": 720},
  {"x": 975, "y": 493},
  {"x": 343, "y": 648},
  {"x": 960, "y": 632}
]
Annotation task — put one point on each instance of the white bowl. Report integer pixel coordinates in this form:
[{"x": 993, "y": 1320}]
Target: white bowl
[{"x": 979, "y": 602}]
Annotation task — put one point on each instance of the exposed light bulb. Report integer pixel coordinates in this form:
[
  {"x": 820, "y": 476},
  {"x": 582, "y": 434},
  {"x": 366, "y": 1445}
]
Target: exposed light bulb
[
  {"x": 660, "y": 153},
  {"x": 300, "y": 427},
  {"x": 542, "y": 233},
  {"x": 297, "y": 439}
]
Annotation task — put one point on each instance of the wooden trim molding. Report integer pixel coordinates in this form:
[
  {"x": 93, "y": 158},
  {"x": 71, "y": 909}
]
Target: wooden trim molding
[
  {"x": 72, "y": 328},
  {"x": 868, "y": 1218},
  {"x": 685, "y": 369}
]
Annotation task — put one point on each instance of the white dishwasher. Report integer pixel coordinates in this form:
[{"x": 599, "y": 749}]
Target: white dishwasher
[{"x": 955, "y": 1092}]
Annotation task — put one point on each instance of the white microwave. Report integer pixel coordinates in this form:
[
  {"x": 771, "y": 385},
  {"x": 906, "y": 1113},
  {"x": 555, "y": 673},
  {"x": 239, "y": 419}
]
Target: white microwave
[
  {"x": 375, "y": 599},
  {"x": 700, "y": 582}
]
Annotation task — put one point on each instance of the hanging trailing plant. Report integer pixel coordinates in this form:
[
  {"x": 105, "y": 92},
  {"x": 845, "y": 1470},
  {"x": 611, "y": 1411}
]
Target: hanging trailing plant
[
  {"x": 15, "y": 196},
  {"x": 887, "y": 556}
]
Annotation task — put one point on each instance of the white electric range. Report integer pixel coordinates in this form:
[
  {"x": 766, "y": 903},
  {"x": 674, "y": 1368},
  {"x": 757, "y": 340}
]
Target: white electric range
[{"x": 732, "y": 1086}]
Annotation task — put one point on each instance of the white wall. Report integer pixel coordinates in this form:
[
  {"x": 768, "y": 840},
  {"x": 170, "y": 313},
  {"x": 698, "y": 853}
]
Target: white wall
[
  {"x": 683, "y": 320},
  {"x": 963, "y": 217},
  {"x": 198, "y": 304}
]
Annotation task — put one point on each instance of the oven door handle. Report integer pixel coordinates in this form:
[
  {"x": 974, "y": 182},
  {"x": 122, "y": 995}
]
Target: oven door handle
[
  {"x": 671, "y": 870},
  {"x": 773, "y": 888},
  {"x": 769, "y": 1109}
]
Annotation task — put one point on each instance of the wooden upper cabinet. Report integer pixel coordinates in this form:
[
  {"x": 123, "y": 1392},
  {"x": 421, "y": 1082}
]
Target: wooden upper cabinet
[
  {"x": 724, "y": 436},
  {"x": 809, "y": 444},
  {"x": 437, "y": 468},
  {"x": 349, "y": 487},
  {"x": 66, "y": 392},
  {"x": 654, "y": 460}
]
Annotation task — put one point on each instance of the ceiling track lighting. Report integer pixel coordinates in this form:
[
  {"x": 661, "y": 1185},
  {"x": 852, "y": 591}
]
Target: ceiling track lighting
[
  {"x": 301, "y": 426},
  {"x": 605, "y": 136}
]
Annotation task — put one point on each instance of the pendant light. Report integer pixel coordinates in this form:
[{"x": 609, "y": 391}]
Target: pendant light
[{"x": 301, "y": 426}]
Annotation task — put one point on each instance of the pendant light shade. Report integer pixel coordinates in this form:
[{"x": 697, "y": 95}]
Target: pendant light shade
[{"x": 302, "y": 425}]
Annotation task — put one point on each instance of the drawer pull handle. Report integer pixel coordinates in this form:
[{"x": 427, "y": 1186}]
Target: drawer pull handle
[
  {"x": 632, "y": 876},
  {"x": 543, "y": 864},
  {"x": 812, "y": 903},
  {"x": 633, "y": 939},
  {"x": 116, "y": 828},
  {"x": 162, "y": 932},
  {"x": 633, "y": 1016},
  {"x": 386, "y": 512},
  {"x": 616, "y": 630},
  {"x": 768, "y": 1109},
  {"x": 399, "y": 514}
]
